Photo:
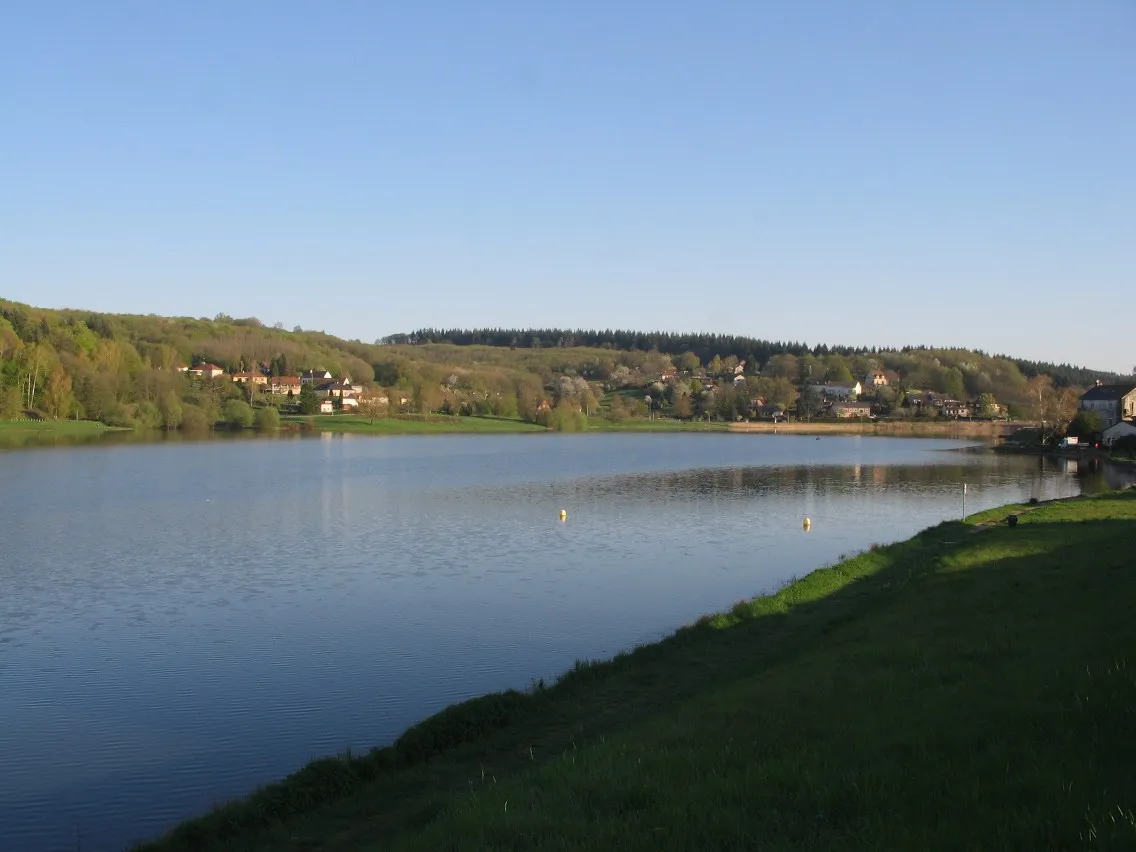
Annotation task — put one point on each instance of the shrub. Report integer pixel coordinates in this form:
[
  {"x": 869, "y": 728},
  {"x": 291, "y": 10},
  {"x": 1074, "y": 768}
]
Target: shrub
[
  {"x": 238, "y": 414},
  {"x": 267, "y": 419}
]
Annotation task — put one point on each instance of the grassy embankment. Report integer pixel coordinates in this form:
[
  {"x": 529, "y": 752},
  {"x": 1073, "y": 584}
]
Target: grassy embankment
[
  {"x": 969, "y": 688},
  {"x": 32, "y": 433},
  {"x": 60, "y": 427}
]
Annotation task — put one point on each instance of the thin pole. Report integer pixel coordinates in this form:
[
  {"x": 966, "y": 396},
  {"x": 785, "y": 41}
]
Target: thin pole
[{"x": 964, "y": 501}]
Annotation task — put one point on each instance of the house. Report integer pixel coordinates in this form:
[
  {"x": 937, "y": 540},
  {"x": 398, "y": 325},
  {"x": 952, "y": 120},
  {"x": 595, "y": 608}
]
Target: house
[
  {"x": 205, "y": 370},
  {"x": 313, "y": 377},
  {"x": 876, "y": 379},
  {"x": 738, "y": 370},
  {"x": 835, "y": 391},
  {"x": 1113, "y": 403},
  {"x": 847, "y": 410},
  {"x": 335, "y": 389},
  {"x": 285, "y": 385},
  {"x": 953, "y": 408},
  {"x": 1123, "y": 429},
  {"x": 545, "y": 405},
  {"x": 739, "y": 381},
  {"x": 327, "y": 407},
  {"x": 770, "y": 412},
  {"x": 255, "y": 378}
]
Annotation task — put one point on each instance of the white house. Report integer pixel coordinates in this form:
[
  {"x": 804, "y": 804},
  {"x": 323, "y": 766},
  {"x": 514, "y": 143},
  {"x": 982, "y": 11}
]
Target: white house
[
  {"x": 1123, "y": 429},
  {"x": 841, "y": 391}
]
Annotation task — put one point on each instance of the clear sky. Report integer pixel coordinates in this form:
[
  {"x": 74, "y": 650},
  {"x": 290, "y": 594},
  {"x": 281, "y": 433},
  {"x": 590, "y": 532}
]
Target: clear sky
[{"x": 845, "y": 171}]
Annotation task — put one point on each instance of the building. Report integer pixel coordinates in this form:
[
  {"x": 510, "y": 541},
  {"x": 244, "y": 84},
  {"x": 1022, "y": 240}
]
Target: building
[
  {"x": 205, "y": 370},
  {"x": 1123, "y": 429},
  {"x": 1113, "y": 403},
  {"x": 314, "y": 377},
  {"x": 953, "y": 408},
  {"x": 835, "y": 391},
  {"x": 876, "y": 379},
  {"x": 848, "y": 410},
  {"x": 739, "y": 380},
  {"x": 285, "y": 385},
  {"x": 770, "y": 412},
  {"x": 254, "y": 378},
  {"x": 327, "y": 407}
]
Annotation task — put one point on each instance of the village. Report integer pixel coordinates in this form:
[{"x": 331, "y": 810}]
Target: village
[{"x": 1110, "y": 409}]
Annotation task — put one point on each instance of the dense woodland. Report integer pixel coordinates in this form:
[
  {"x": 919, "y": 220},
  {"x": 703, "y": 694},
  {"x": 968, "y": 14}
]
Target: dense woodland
[{"x": 122, "y": 370}]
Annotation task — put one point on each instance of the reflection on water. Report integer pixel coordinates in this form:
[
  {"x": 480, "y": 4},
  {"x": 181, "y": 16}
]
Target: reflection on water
[{"x": 181, "y": 622}]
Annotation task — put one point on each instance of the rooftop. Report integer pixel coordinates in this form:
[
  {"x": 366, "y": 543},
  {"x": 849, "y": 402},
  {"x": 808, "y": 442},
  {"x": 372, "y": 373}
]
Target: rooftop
[{"x": 1109, "y": 392}]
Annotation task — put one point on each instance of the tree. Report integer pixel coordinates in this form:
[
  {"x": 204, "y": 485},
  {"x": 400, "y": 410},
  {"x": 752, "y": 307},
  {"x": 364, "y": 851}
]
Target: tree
[
  {"x": 194, "y": 419},
  {"x": 683, "y": 409},
  {"x": 987, "y": 405},
  {"x": 688, "y": 362},
  {"x": 169, "y": 407},
  {"x": 371, "y": 406},
  {"x": 808, "y": 403},
  {"x": 309, "y": 402},
  {"x": 267, "y": 419},
  {"x": 715, "y": 365},
  {"x": 1086, "y": 425},
  {"x": 1039, "y": 391},
  {"x": 618, "y": 410},
  {"x": 238, "y": 414},
  {"x": 57, "y": 396},
  {"x": 427, "y": 396},
  {"x": 9, "y": 402}
]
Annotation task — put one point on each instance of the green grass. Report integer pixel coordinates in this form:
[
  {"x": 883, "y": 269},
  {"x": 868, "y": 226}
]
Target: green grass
[
  {"x": 970, "y": 688},
  {"x": 60, "y": 427},
  {"x": 436, "y": 424},
  {"x": 16, "y": 434}
]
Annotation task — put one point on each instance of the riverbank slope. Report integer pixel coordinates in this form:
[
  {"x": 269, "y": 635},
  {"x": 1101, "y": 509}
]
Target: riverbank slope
[{"x": 967, "y": 688}]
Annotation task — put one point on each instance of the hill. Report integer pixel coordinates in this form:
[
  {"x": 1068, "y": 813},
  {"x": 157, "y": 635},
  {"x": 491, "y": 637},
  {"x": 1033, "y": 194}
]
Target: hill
[{"x": 123, "y": 370}]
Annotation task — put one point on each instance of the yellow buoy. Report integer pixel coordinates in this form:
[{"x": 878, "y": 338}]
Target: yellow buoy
[
  {"x": 563, "y": 515},
  {"x": 806, "y": 524}
]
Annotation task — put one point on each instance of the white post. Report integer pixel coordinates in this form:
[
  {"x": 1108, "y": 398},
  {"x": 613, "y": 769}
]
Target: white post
[{"x": 964, "y": 501}]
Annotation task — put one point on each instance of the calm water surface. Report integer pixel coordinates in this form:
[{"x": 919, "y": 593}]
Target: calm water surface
[{"x": 180, "y": 623}]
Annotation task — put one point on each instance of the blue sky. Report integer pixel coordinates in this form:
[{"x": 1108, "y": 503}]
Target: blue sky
[{"x": 860, "y": 172}]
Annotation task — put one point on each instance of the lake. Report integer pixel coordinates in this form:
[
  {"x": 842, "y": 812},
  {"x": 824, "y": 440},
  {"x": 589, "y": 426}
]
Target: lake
[{"x": 181, "y": 622}]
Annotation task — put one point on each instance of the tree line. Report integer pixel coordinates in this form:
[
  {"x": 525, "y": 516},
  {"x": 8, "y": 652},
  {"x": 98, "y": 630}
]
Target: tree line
[{"x": 123, "y": 370}]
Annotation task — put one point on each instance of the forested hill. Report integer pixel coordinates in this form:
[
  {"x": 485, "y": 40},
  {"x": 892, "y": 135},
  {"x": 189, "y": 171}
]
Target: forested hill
[
  {"x": 748, "y": 349},
  {"x": 124, "y": 369}
]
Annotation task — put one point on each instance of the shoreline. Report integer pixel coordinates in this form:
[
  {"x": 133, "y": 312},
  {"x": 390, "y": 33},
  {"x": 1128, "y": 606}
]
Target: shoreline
[
  {"x": 431, "y": 783},
  {"x": 891, "y": 428}
]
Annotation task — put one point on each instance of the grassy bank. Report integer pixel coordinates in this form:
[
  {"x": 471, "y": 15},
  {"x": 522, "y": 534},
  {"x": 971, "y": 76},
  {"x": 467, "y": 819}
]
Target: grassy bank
[
  {"x": 661, "y": 424},
  {"x": 440, "y": 423},
  {"x": 969, "y": 688},
  {"x": 435, "y": 424},
  {"x": 918, "y": 428},
  {"x": 16, "y": 434},
  {"x": 55, "y": 427}
]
